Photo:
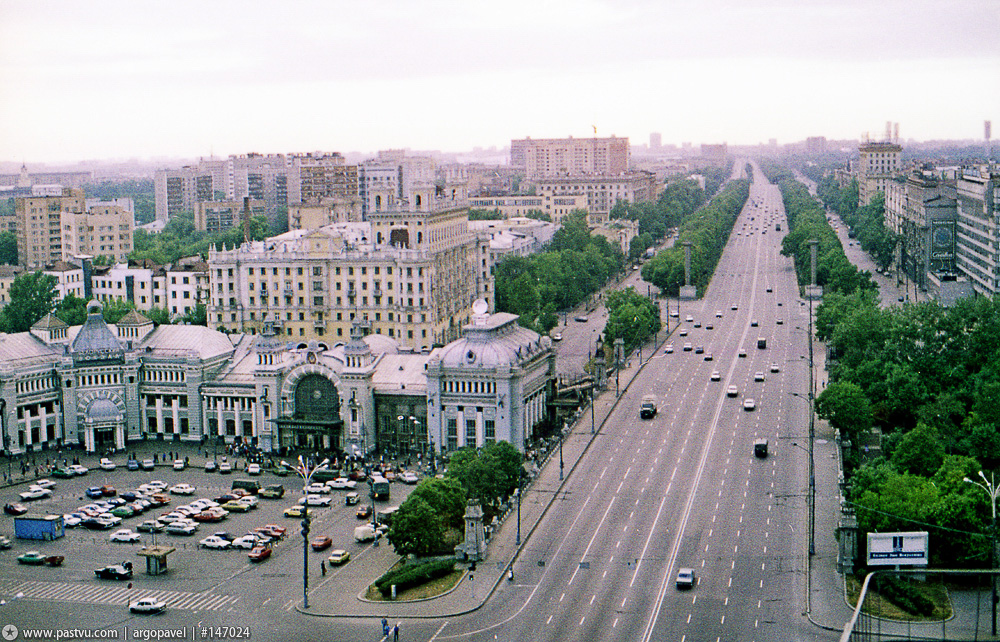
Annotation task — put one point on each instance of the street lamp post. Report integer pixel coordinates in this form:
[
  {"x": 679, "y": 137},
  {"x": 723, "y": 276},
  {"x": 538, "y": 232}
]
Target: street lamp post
[
  {"x": 993, "y": 490},
  {"x": 562, "y": 436},
  {"x": 517, "y": 493},
  {"x": 306, "y": 472},
  {"x": 812, "y": 438}
]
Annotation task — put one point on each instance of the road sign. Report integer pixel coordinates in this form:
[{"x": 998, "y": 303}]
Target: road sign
[{"x": 897, "y": 549}]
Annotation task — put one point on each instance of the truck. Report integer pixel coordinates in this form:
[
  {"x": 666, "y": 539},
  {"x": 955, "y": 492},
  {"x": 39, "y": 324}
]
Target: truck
[
  {"x": 380, "y": 488},
  {"x": 43, "y": 527},
  {"x": 648, "y": 408}
]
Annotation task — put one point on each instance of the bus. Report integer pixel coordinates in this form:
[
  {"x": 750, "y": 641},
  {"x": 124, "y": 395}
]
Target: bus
[{"x": 380, "y": 488}]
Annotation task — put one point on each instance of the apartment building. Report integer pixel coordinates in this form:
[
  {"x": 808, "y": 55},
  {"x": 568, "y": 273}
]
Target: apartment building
[
  {"x": 921, "y": 209},
  {"x": 601, "y": 192},
  {"x": 411, "y": 271},
  {"x": 555, "y": 207},
  {"x": 555, "y": 157},
  {"x": 178, "y": 288},
  {"x": 222, "y": 216},
  {"x": 40, "y": 224},
  {"x": 978, "y": 230},
  {"x": 877, "y": 165},
  {"x": 105, "y": 229}
]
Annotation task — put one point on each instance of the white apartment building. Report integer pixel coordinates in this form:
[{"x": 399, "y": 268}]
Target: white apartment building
[
  {"x": 559, "y": 157},
  {"x": 978, "y": 242},
  {"x": 877, "y": 165},
  {"x": 601, "y": 192}
]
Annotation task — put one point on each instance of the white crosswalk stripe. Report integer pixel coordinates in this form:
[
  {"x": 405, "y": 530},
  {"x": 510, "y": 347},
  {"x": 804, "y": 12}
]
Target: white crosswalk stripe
[{"x": 75, "y": 592}]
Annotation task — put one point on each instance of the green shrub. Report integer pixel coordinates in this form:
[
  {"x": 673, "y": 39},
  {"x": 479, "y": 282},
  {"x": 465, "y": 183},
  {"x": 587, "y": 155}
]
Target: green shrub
[
  {"x": 905, "y": 595},
  {"x": 410, "y": 576}
]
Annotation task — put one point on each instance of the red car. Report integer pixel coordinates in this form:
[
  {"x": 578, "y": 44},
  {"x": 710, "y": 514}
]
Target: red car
[
  {"x": 210, "y": 515},
  {"x": 280, "y": 530},
  {"x": 259, "y": 553},
  {"x": 322, "y": 543},
  {"x": 108, "y": 491}
]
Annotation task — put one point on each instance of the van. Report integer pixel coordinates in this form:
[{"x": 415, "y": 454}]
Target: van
[
  {"x": 761, "y": 343},
  {"x": 249, "y": 485},
  {"x": 760, "y": 448},
  {"x": 365, "y": 533},
  {"x": 274, "y": 491},
  {"x": 648, "y": 408},
  {"x": 386, "y": 514}
]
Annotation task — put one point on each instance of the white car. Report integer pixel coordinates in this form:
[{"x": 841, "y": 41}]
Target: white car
[
  {"x": 157, "y": 485},
  {"x": 71, "y": 521},
  {"x": 718, "y": 314},
  {"x": 77, "y": 469},
  {"x": 669, "y": 349},
  {"x": 107, "y": 464},
  {"x": 249, "y": 500},
  {"x": 732, "y": 391},
  {"x": 214, "y": 541},
  {"x": 689, "y": 318},
  {"x": 317, "y": 489},
  {"x": 35, "y": 493},
  {"x": 716, "y": 376},
  {"x": 758, "y": 376},
  {"x": 315, "y": 500},
  {"x": 749, "y": 404},
  {"x": 45, "y": 483},
  {"x": 253, "y": 469},
  {"x": 147, "y": 605},
  {"x": 182, "y": 527},
  {"x": 182, "y": 489},
  {"x": 683, "y": 332},
  {"x": 179, "y": 464},
  {"x": 339, "y": 483},
  {"x": 409, "y": 477},
  {"x": 246, "y": 542},
  {"x": 775, "y": 368},
  {"x": 204, "y": 503},
  {"x": 125, "y": 535},
  {"x": 225, "y": 468}
]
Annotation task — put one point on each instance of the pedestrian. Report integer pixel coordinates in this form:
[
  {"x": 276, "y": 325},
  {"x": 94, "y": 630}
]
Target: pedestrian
[
  {"x": 385, "y": 627},
  {"x": 322, "y": 567},
  {"x": 395, "y": 633}
]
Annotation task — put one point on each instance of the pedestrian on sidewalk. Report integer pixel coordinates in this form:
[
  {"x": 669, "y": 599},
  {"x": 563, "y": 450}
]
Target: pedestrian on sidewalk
[
  {"x": 385, "y": 627},
  {"x": 395, "y": 633},
  {"x": 322, "y": 567}
]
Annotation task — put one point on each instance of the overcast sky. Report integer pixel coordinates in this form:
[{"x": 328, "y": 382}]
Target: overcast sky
[{"x": 99, "y": 79}]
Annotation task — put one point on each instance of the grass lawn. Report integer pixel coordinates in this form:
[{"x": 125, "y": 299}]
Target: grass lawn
[{"x": 937, "y": 593}]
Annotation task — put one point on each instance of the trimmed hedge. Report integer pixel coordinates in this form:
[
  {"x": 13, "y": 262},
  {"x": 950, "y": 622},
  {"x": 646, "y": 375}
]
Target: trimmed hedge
[
  {"x": 410, "y": 576},
  {"x": 904, "y": 594}
]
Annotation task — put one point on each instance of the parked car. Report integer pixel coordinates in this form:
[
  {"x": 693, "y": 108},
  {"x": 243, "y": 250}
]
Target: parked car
[
  {"x": 5, "y": 542},
  {"x": 339, "y": 556},
  {"x": 77, "y": 469},
  {"x": 179, "y": 464},
  {"x": 259, "y": 553},
  {"x": 364, "y": 511},
  {"x": 297, "y": 511},
  {"x": 315, "y": 500},
  {"x": 182, "y": 528},
  {"x": 249, "y": 500},
  {"x": 409, "y": 477},
  {"x": 351, "y": 498},
  {"x": 321, "y": 542},
  {"x": 107, "y": 464},
  {"x": 182, "y": 489},
  {"x": 15, "y": 509},
  {"x": 253, "y": 469},
  {"x": 147, "y": 605},
  {"x": 34, "y": 493},
  {"x": 108, "y": 490},
  {"x": 225, "y": 468},
  {"x": 213, "y": 541},
  {"x": 247, "y": 542},
  {"x": 132, "y": 464},
  {"x": 234, "y": 506},
  {"x": 31, "y": 558},
  {"x": 151, "y": 526},
  {"x": 147, "y": 464},
  {"x": 115, "y": 572},
  {"x": 274, "y": 491},
  {"x": 211, "y": 515},
  {"x": 94, "y": 492},
  {"x": 211, "y": 466},
  {"x": 125, "y": 535}
]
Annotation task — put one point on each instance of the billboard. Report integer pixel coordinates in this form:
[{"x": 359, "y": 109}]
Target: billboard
[{"x": 902, "y": 549}]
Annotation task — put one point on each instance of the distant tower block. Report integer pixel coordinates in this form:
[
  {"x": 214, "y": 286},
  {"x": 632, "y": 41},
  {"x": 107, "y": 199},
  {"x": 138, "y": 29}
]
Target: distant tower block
[
  {"x": 813, "y": 291},
  {"x": 688, "y": 291}
]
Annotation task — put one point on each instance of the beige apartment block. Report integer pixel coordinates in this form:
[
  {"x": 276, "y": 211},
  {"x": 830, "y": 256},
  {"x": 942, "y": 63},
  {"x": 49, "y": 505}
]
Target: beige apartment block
[
  {"x": 222, "y": 216},
  {"x": 555, "y": 207},
  {"x": 39, "y": 225},
  {"x": 553, "y": 157},
  {"x": 601, "y": 192},
  {"x": 103, "y": 230},
  {"x": 877, "y": 165},
  {"x": 412, "y": 272}
]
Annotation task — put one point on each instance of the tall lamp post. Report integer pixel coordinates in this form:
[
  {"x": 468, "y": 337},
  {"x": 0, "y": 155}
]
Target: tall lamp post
[
  {"x": 993, "y": 490},
  {"x": 306, "y": 472},
  {"x": 517, "y": 493},
  {"x": 562, "y": 436}
]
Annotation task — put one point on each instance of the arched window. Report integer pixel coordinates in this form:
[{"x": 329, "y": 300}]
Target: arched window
[{"x": 316, "y": 398}]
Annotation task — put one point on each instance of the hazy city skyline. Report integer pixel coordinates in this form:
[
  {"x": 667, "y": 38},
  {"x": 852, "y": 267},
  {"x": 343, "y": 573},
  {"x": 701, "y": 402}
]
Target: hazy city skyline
[{"x": 103, "y": 79}]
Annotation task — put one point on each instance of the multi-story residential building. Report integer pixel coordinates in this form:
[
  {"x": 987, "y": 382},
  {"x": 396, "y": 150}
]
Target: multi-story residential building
[
  {"x": 178, "y": 288},
  {"x": 877, "y": 165},
  {"x": 315, "y": 177},
  {"x": 377, "y": 177},
  {"x": 222, "y": 216},
  {"x": 105, "y": 229},
  {"x": 921, "y": 210},
  {"x": 39, "y": 225},
  {"x": 601, "y": 192},
  {"x": 555, "y": 207},
  {"x": 412, "y": 271},
  {"x": 7, "y": 275},
  {"x": 978, "y": 238},
  {"x": 557, "y": 157},
  {"x": 518, "y": 235},
  {"x": 177, "y": 190},
  {"x": 259, "y": 177},
  {"x": 70, "y": 279}
]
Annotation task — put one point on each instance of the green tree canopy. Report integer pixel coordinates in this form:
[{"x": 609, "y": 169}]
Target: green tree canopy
[
  {"x": 32, "y": 296},
  {"x": 416, "y": 529}
]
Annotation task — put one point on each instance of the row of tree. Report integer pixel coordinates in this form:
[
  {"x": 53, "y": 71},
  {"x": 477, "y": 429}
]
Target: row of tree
[
  {"x": 866, "y": 222},
  {"x": 928, "y": 377},
  {"x": 707, "y": 230}
]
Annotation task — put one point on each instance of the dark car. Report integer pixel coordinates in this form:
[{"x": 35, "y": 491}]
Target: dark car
[
  {"x": 132, "y": 464},
  {"x": 15, "y": 509},
  {"x": 94, "y": 492},
  {"x": 116, "y": 572}
]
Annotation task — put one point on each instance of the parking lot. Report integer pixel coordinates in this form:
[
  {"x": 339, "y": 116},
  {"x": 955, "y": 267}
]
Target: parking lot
[{"x": 191, "y": 568}]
